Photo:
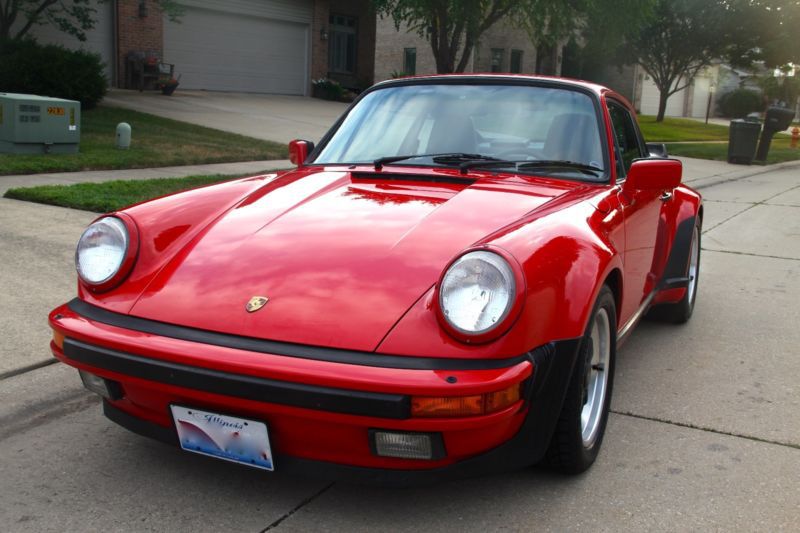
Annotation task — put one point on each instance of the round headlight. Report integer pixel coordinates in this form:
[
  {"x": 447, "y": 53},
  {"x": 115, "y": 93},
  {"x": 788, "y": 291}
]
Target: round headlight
[
  {"x": 477, "y": 292},
  {"x": 101, "y": 250}
]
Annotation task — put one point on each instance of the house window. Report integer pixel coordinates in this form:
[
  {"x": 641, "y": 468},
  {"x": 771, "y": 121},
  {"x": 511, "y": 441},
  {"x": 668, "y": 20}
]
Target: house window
[
  {"x": 516, "y": 61},
  {"x": 410, "y": 61},
  {"x": 546, "y": 60},
  {"x": 497, "y": 59},
  {"x": 342, "y": 47}
]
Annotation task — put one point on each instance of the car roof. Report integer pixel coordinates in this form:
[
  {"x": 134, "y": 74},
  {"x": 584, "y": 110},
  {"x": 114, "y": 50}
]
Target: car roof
[{"x": 593, "y": 87}]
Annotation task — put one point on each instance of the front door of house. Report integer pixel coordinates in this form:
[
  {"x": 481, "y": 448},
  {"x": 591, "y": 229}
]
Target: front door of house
[{"x": 342, "y": 46}]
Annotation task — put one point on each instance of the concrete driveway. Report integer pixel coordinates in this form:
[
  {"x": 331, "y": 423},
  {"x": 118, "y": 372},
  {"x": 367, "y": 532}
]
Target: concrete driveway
[
  {"x": 263, "y": 116},
  {"x": 703, "y": 434}
]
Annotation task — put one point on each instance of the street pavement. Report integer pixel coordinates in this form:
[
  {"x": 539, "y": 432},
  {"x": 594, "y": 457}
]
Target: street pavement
[{"x": 704, "y": 433}]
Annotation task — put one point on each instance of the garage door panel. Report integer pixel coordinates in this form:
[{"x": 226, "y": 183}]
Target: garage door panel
[
  {"x": 289, "y": 10},
  {"x": 226, "y": 51},
  {"x": 650, "y": 97},
  {"x": 700, "y": 96}
]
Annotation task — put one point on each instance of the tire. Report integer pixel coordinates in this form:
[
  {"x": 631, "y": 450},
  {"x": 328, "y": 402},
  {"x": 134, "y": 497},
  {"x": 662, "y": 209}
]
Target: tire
[
  {"x": 581, "y": 425},
  {"x": 681, "y": 312}
]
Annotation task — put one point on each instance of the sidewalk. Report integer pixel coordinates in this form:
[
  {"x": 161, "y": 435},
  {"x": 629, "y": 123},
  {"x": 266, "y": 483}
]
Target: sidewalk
[
  {"x": 701, "y": 173},
  {"x": 727, "y": 122},
  {"x": 696, "y": 172},
  {"x": 67, "y": 178}
]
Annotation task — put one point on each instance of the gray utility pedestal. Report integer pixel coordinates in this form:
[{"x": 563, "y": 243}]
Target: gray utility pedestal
[{"x": 39, "y": 125}]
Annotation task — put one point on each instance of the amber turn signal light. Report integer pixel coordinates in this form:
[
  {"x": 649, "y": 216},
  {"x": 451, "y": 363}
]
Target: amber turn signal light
[
  {"x": 454, "y": 406},
  {"x": 58, "y": 339}
]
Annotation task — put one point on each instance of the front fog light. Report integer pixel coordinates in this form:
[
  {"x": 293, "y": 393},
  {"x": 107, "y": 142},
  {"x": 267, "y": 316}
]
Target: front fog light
[
  {"x": 407, "y": 445},
  {"x": 108, "y": 389}
]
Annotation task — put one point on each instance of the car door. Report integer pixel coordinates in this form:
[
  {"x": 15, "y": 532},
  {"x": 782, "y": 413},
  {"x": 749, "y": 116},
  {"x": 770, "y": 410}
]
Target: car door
[{"x": 641, "y": 211}]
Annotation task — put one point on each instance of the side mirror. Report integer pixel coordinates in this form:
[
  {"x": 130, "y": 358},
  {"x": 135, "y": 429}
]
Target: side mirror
[
  {"x": 657, "y": 149},
  {"x": 299, "y": 150},
  {"x": 654, "y": 174}
]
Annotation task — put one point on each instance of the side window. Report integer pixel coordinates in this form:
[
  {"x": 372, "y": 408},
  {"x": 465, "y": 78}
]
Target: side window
[{"x": 625, "y": 136}]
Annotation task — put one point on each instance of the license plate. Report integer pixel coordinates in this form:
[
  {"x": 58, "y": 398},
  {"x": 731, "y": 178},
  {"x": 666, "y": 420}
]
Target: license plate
[{"x": 231, "y": 438}]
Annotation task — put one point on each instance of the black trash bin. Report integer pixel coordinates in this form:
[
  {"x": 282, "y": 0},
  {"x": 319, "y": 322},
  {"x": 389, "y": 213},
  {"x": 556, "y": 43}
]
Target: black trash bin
[
  {"x": 742, "y": 141},
  {"x": 776, "y": 119}
]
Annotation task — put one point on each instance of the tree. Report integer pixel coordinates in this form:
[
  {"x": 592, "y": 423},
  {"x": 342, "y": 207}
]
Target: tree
[
  {"x": 75, "y": 17},
  {"x": 679, "y": 39},
  {"x": 454, "y": 27},
  {"x": 682, "y": 37}
]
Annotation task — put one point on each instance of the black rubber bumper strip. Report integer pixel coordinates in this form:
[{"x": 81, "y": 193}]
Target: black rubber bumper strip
[
  {"x": 302, "y": 351},
  {"x": 554, "y": 366},
  {"x": 331, "y": 399}
]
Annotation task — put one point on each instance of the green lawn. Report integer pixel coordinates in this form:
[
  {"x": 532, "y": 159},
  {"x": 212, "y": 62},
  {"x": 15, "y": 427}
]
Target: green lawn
[
  {"x": 156, "y": 142},
  {"x": 680, "y": 129},
  {"x": 779, "y": 151},
  {"x": 110, "y": 195}
]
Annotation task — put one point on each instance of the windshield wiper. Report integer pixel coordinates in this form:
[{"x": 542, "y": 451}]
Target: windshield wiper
[
  {"x": 494, "y": 162},
  {"x": 522, "y": 165},
  {"x": 543, "y": 163},
  {"x": 445, "y": 158}
]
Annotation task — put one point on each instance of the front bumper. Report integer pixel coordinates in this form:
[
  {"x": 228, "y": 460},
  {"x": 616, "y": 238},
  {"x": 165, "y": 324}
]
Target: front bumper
[{"x": 319, "y": 409}]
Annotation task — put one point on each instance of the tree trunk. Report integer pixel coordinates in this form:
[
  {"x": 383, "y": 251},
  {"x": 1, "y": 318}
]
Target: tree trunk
[
  {"x": 465, "y": 55},
  {"x": 662, "y": 105},
  {"x": 444, "y": 63},
  {"x": 5, "y": 29}
]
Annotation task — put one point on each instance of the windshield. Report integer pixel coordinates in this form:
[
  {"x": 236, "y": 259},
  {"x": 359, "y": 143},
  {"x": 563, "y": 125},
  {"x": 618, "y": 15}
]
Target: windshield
[{"x": 508, "y": 122}]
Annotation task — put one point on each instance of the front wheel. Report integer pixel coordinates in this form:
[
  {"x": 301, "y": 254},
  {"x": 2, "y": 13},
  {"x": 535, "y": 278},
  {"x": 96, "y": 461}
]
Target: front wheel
[{"x": 582, "y": 422}]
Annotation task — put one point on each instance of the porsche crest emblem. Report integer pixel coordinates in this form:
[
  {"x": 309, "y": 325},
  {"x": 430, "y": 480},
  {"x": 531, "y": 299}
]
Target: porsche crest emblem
[{"x": 256, "y": 303}]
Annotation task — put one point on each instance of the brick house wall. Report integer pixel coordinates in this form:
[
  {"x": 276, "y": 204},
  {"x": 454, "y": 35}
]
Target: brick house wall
[
  {"x": 506, "y": 37},
  {"x": 136, "y": 33},
  {"x": 391, "y": 43},
  {"x": 319, "y": 44}
]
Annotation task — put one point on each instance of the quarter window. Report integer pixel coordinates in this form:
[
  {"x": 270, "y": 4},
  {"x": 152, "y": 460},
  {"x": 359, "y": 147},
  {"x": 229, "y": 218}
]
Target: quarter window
[{"x": 626, "y": 138}]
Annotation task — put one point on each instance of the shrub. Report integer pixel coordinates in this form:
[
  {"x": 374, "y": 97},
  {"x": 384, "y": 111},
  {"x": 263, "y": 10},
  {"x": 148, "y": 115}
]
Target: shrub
[
  {"x": 328, "y": 89},
  {"x": 740, "y": 102},
  {"x": 48, "y": 70}
]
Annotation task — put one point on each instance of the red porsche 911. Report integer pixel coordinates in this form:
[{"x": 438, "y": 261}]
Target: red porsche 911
[{"x": 437, "y": 290}]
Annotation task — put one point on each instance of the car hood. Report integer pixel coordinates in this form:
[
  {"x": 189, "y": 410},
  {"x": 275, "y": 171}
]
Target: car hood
[{"x": 340, "y": 256}]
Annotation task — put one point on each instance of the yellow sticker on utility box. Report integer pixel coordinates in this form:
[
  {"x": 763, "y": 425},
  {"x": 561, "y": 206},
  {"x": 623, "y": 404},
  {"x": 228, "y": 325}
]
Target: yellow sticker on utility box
[{"x": 55, "y": 111}]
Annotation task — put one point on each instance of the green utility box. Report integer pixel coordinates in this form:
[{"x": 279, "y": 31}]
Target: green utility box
[{"x": 39, "y": 125}]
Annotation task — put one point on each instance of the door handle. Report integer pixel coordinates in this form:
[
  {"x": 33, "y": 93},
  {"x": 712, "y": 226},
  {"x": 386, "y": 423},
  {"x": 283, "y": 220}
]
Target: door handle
[{"x": 665, "y": 196}]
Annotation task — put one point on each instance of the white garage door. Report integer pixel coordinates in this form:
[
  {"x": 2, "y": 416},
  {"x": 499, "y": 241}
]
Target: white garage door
[
  {"x": 700, "y": 96},
  {"x": 242, "y": 45},
  {"x": 100, "y": 39},
  {"x": 650, "y": 95}
]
